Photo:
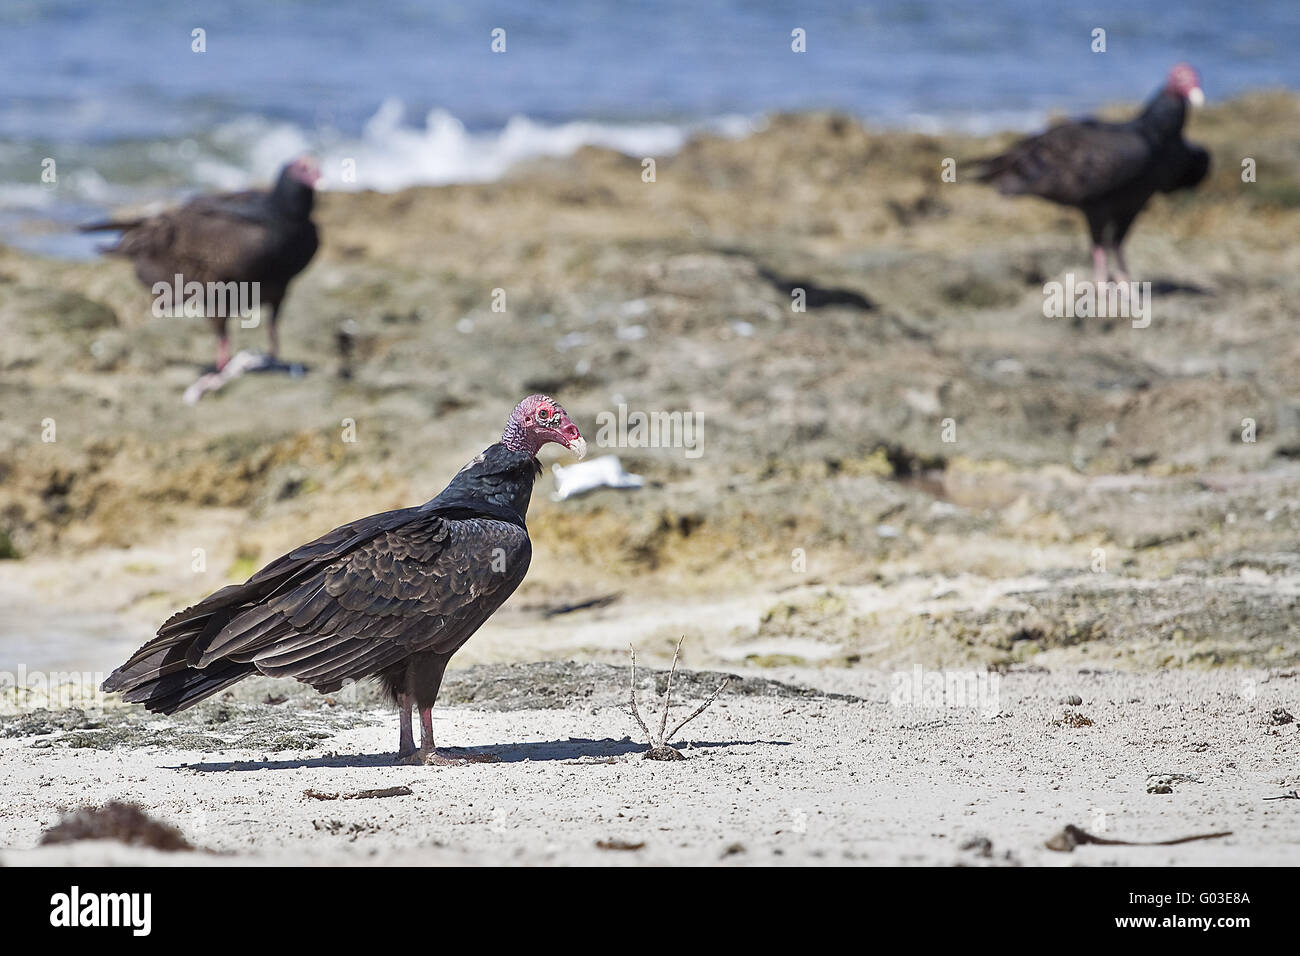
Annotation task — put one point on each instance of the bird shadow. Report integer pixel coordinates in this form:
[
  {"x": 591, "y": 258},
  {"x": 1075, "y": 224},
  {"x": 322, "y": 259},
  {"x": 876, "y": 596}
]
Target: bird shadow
[
  {"x": 268, "y": 366},
  {"x": 579, "y": 749},
  {"x": 273, "y": 366},
  {"x": 1172, "y": 287}
]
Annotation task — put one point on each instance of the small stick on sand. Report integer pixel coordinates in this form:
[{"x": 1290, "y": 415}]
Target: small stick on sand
[
  {"x": 1072, "y": 836},
  {"x": 635, "y": 712},
  {"x": 659, "y": 748}
]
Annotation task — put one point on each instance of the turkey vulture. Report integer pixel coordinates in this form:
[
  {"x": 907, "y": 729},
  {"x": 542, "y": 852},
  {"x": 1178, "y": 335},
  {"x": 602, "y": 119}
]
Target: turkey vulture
[
  {"x": 1109, "y": 170},
  {"x": 246, "y": 237},
  {"x": 392, "y": 596}
]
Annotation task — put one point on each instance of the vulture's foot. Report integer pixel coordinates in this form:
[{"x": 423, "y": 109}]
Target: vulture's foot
[
  {"x": 663, "y": 752},
  {"x": 415, "y": 758}
]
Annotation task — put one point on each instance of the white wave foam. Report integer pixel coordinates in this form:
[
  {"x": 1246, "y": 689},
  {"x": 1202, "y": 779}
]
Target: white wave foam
[
  {"x": 391, "y": 154},
  {"x": 388, "y": 154},
  {"x": 83, "y": 185}
]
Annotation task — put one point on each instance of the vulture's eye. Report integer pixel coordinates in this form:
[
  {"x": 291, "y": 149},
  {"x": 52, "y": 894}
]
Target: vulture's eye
[{"x": 544, "y": 414}]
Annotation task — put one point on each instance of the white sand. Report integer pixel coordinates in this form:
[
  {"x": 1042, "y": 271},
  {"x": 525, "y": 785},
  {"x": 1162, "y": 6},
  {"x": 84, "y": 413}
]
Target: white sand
[{"x": 768, "y": 780}]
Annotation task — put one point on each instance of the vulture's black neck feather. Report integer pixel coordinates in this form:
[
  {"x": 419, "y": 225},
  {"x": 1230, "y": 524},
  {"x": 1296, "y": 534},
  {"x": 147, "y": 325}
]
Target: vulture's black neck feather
[
  {"x": 497, "y": 484},
  {"x": 292, "y": 199},
  {"x": 1163, "y": 117}
]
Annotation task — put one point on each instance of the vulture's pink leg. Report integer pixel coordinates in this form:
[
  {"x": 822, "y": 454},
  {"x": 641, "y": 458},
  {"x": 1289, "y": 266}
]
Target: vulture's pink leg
[
  {"x": 273, "y": 331},
  {"x": 1099, "y": 274},
  {"x": 407, "y": 745},
  {"x": 1121, "y": 270},
  {"x": 223, "y": 352},
  {"x": 426, "y": 730}
]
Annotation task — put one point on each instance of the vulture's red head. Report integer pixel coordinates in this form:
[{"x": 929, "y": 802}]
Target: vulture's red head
[
  {"x": 539, "y": 419},
  {"x": 305, "y": 170},
  {"x": 1184, "y": 81}
]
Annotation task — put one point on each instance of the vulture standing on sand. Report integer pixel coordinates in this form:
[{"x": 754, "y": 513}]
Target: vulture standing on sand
[
  {"x": 392, "y": 596},
  {"x": 255, "y": 236},
  {"x": 1109, "y": 170}
]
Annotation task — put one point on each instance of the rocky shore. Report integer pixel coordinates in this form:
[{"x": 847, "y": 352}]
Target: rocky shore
[{"x": 1097, "y": 500}]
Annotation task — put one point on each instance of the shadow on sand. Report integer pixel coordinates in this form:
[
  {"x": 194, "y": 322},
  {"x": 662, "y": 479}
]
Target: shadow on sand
[
  {"x": 1171, "y": 287},
  {"x": 574, "y": 748}
]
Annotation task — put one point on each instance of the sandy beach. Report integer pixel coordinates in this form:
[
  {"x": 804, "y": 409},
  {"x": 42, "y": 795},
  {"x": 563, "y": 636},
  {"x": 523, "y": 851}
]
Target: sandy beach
[{"x": 769, "y": 777}]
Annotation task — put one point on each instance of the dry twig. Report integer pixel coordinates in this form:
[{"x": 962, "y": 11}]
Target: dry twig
[
  {"x": 659, "y": 747},
  {"x": 1072, "y": 836}
]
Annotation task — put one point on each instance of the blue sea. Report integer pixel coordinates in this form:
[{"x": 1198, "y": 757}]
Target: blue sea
[{"x": 413, "y": 92}]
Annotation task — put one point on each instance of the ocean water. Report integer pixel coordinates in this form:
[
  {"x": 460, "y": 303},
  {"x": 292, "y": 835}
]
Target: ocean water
[{"x": 412, "y": 91}]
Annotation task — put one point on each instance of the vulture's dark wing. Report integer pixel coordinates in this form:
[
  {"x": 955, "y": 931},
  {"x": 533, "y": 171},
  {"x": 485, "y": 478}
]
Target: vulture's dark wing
[
  {"x": 283, "y": 572},
  {"x": 425, "y": 586},
  {"x": 204, "y": 240},
  {"x": 337, "y": 609},
  {"x": 253, "y": 205},
  {"x": 1182, "y": 166},
  {"x": 1071, "y": 163}
]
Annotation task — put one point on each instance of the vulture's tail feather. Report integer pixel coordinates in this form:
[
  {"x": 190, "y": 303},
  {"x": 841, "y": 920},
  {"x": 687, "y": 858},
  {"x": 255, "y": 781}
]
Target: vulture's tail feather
[
  {"x": 183, "y": 689},
  {"x": 1000, "y": 171},
  {"x": 159, "y": 675},
  {"x": 109, "y": 225}
]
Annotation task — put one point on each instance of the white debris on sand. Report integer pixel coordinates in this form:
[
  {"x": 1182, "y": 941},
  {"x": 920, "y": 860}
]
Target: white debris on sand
[
  {"x": 240, "y": 364},
  {"x": 585, "y": 476}
]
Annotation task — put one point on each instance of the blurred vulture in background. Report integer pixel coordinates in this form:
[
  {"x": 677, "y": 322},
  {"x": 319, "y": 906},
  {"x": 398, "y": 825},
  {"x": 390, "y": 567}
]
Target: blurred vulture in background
[
  {"x": 1109, "y": 170},
  {"x": 258, "y": 236}
]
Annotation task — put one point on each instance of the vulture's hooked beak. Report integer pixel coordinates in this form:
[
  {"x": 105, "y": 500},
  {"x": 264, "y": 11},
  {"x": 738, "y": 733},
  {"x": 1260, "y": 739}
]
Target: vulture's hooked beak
[
  {"x": 579, "y": 447},
  {"x": 1196, "y": 96}
]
